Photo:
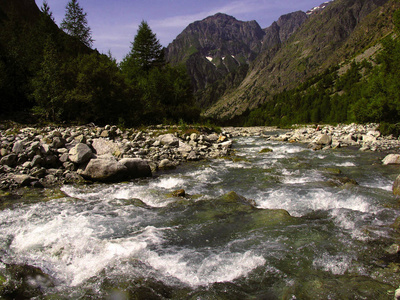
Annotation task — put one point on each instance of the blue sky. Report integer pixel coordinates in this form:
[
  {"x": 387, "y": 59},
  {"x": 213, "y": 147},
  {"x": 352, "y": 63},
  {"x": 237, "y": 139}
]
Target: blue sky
[{"x": 114, "y": 24}]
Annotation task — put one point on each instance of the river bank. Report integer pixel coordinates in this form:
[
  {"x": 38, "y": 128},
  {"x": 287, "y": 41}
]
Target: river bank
[{"x": 48, "y": 156}]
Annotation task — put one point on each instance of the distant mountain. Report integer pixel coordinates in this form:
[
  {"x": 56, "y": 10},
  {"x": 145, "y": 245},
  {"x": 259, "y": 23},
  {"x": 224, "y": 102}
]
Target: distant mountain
[
  {"x": 218, "y": 50},
  {"x": 328, "y": 37}
]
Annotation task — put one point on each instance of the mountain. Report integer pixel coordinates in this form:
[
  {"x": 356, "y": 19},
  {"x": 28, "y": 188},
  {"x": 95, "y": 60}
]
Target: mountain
[
  {"x": 214, "y": 47},
  {"x": 218, "y": 50},
  {"x": 328, "y": 37}
]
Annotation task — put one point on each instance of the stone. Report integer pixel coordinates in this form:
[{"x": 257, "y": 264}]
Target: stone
[
  {"x": 194, "y": 137},
  {"x": 179, "y": 193},
  {"x": 212, "y": 138},
  {"x": 105, "y": 169},
  {"x": 169, "y": 140},
  {"x": 18, "y": 147},
  {"x": 391, "y": 159},
  {"x": 24, "y": 180},
  {"x": 9, "y": 160},
  {"x": 58, "y": 142},
  {"x": 166, "y": 164},
  {"x": 266, "y": 150},
  {"x": 396, "y": 186},
  {"x": 136, "y": 167},
  {"x": 324, "y": 139},
  {"x": 102, "y": 147},
  {"x": 80, "y": 154}
]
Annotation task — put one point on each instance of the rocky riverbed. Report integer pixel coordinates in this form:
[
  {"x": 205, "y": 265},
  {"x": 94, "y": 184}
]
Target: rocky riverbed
[
  {"x": 365, "y": 137},
  {"x": 47, "y": 156}
]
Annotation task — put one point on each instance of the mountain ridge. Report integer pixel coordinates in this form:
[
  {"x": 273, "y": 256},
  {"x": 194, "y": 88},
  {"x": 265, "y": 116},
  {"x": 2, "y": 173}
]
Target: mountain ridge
[{"x": 320, "y": 42}]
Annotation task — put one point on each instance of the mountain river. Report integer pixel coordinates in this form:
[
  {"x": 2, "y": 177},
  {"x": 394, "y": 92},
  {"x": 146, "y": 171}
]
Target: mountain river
[{"x": 286, "y": 224}]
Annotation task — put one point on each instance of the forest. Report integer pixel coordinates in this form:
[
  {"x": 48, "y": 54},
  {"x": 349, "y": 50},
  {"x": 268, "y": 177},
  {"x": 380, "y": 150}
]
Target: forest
[
  {"x": 53, "y": 75},
  {"x": 367, "y": 92}
]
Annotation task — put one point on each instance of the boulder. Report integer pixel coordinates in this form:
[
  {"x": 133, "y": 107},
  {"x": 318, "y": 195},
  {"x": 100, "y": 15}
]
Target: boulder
[
  {"x": 24, "y": 180},
  {"x": 80, "y": 154},
  {"x": 391, "y": 159},
  {"x": 169, "y": 140},
  {"x": 105, "y": 169},
  {"x": 103, "y": 146},
  {"x": 324, "y": 139},
  {"x": 18, "y": 147},
  {"x": 136, "y": 167},
  {"x": 9, "y": 160},
  {"x": 166, "y": 164}
]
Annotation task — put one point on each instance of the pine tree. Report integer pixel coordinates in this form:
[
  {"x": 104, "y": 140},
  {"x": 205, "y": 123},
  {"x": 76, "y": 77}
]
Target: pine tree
[
  {"x": 146, "y": 51},
  {"x": 75, "y": 23},
  {"x": 45, "y": 9}
]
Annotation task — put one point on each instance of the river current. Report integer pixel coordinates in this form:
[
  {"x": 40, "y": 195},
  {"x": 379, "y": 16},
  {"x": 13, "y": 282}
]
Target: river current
[{"x": 317, "y": 227}]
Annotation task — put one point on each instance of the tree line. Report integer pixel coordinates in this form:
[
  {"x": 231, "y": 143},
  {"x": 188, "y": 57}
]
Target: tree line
[{"x": 56, "y": 75}]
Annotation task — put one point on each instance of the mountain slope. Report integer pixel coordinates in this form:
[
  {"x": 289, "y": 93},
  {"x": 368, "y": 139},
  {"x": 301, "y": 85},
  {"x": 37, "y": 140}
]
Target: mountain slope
[
  {"x": 326, "y": 38},
  {"x": 218, "y": 50}
]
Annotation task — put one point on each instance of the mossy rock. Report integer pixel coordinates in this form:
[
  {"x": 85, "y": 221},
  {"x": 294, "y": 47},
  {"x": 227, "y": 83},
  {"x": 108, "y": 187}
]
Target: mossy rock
[
  {"x": 266, "y": 150},
  {"x": 334, "y": 171}
]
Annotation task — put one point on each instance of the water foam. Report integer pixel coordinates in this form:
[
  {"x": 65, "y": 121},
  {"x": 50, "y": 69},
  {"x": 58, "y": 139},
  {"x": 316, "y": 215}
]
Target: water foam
[{"x": 195, "y": 269}]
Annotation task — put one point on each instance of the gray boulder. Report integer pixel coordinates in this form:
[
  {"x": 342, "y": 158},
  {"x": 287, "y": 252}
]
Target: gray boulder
[
  {"x": 80, "y": 154},
  {"x": 136, "y": 167},
  {"x": 104, "y": 169},
  {"x": 107, "y": 169},
  {"x": 103, "y": 146},
  {"x": 18, "y": 147},
  {"x": 169, "y": 140}
]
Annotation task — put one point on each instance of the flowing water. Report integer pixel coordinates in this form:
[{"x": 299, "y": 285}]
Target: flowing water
[{"x": 136, "y": 241}]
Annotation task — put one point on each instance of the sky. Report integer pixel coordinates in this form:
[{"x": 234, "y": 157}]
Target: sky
[{"x": 114, "y": 24}]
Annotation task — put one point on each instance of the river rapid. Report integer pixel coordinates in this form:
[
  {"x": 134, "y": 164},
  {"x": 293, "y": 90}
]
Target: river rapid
[{"x": 317, "y": 227}]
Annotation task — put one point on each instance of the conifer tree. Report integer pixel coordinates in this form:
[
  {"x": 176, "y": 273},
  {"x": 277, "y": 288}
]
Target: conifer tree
[
  {"x": 146, "y": 51},
  {"x": 75, "y": 23},
  {"x": 45, "y": 9}
]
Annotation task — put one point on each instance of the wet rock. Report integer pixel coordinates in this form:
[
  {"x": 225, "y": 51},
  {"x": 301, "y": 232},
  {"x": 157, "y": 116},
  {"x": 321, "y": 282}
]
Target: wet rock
[
  {"x": 80, "y": 154},
  {"x": 24, "y": 282},
  {"x": 179, "y": 193},
  {"x": 396, "y": 186},
  {"x": 166, "y": 164},
  {"x": 391, "y": 159},
  {"x": 136, "y": 167},
  {"x": 266, "y": 150}
]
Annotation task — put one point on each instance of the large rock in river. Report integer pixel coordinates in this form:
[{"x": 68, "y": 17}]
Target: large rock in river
[
  {"x": 391, "y": 159},
  {"x": 107, "y": 169}
]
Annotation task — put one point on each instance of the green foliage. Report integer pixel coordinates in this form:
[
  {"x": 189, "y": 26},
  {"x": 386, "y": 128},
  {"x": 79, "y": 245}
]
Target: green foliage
[
  {"x": 163, "y": 92},
  {"x": 146, "y": 52},
  {"x": 75, "y": 23},
  {"x": 362, "y": 94},
  {"x": 48, "y": 87}
]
